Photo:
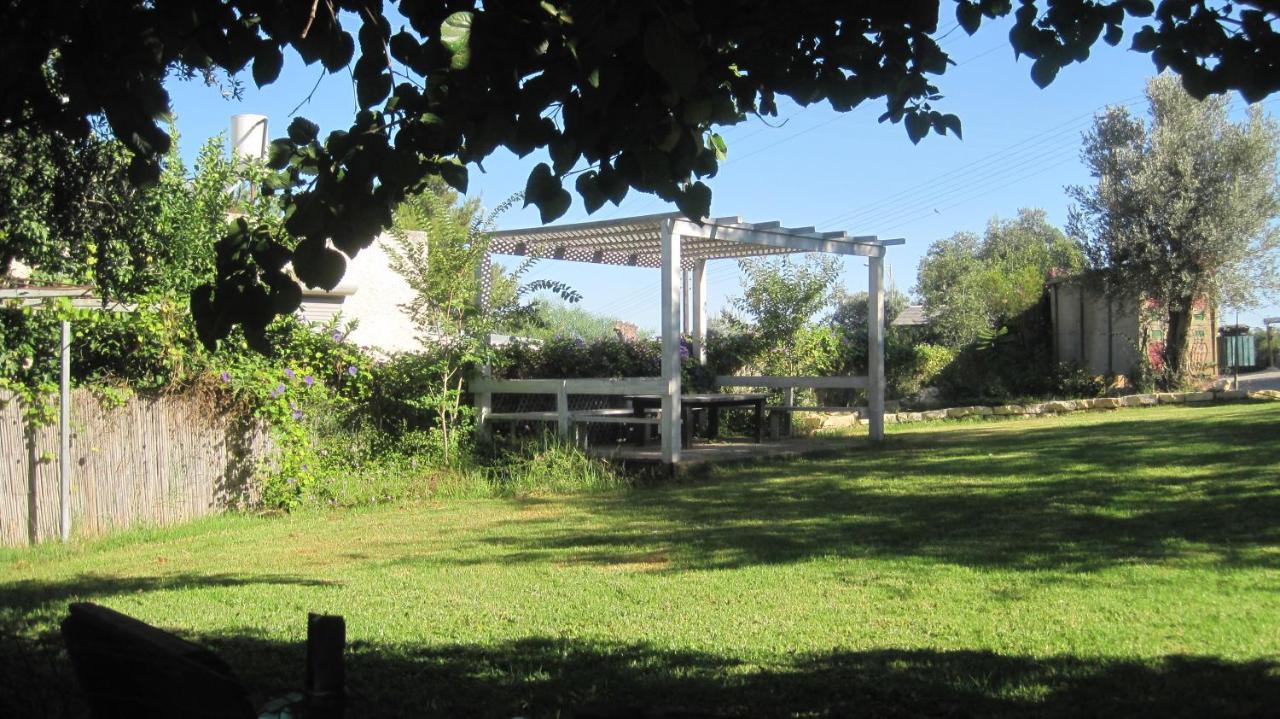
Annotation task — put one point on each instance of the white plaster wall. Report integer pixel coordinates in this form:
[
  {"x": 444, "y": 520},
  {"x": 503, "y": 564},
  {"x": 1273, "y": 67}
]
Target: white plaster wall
[{"x": 374, "y": 295}]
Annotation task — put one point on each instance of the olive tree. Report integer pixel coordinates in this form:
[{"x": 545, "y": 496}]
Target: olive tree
[{"x": 1183, "y": 207}]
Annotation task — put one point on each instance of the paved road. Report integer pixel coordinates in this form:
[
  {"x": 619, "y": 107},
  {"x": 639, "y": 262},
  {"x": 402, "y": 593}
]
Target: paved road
[{"x": 1266, "y": 379}]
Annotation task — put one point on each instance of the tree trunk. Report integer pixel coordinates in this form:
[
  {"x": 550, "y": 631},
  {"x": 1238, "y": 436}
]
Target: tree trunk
[{"x": 1177, "y": 348}]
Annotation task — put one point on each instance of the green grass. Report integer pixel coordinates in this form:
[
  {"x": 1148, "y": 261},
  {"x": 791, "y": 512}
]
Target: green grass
[{"x": 1095, "y": 564}]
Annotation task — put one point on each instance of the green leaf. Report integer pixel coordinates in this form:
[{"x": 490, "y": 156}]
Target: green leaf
[
  {"x": 541, "y": 183},
  {"x": 593, "y": 197},
  {"x": 917, "y": 125},
  {"x": 303, "y": 131},
  {"x": 969, "y": 16},
  {"x": 317, "y": 265},
  {"x": 1043, "y": 71},
  {"x": 455, "y": 33},
  {"x": 564, "y": 154},
  {"x": 266, "y": 64},
  {"x": 695, "y": 201},
  {"x": 1145, "y": 40},
  {"x": 718, "y": 144},
  {"x": 404, "y": 47},
  {"x": 454, "y": 173},
  {"x": 545, "y": 191},
  {"x": 952, "y": 123},
  {"x": 286, "y": 296},
  {"x": 279, "y": 153},
  {"x": 371, "y": 89},
  {"x": 339, "y": 52},
  {"x": 1139, "y": 8},
  {"x": 612, "y": 184},
  {"x": 555, "y": 205},
  {"x": 1113, "y": 35}
]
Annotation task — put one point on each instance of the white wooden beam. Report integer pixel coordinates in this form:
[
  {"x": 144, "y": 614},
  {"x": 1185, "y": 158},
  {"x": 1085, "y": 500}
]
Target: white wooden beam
[
  {"x": 700, "y": 311},
  {"x": 686, "y": 322},
  {"x": 671, "y": 341},
  {"x": 875, "y": 346},
  {"x": 807, "y": 382},
  {"x": 804, "y": 241}
]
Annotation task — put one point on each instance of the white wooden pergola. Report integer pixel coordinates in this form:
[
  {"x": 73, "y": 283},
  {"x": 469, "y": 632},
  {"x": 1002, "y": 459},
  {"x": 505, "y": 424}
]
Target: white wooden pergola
[{"x": 673, "y": 244}]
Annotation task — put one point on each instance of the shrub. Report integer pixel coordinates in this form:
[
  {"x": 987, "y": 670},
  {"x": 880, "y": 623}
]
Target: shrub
[
  {"x": 918, "y": 369},
  {"x": 1071, "y": 381}
]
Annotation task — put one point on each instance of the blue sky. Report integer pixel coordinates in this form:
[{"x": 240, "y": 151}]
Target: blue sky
[{"x": 813, "y": 166}]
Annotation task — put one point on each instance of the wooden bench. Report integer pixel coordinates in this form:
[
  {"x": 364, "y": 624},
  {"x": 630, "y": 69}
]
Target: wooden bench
[{"x": 128, "y": 668}]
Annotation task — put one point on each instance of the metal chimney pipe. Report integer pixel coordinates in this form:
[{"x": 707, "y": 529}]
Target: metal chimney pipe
[{"x": 249, "y": 136}]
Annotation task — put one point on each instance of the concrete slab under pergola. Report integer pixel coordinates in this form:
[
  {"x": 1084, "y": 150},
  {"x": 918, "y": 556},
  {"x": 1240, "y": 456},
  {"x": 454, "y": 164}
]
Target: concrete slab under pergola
[{"x": 674, "y": 245}]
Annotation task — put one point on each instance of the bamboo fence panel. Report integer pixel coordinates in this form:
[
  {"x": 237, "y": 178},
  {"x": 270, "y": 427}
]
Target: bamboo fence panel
[{"x": 153, "y": 461}]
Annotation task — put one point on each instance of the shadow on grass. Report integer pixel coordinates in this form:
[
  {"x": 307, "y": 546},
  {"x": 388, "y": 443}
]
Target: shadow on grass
[
  {"x": 539, "y": 677},
  {"x": 1070, "y": 498},
  {"x": 35, "y": 677}
]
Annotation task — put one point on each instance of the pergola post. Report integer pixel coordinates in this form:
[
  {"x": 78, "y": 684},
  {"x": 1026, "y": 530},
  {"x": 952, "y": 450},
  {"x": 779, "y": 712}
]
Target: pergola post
[
  {"x": 875, "y": 346},
  {"x": 670, "y": 269},
  {"x": 700, "y": 311}
]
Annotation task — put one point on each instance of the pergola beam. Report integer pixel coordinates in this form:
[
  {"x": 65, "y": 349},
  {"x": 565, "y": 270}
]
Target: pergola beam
[{"x": 786, "y": 239}]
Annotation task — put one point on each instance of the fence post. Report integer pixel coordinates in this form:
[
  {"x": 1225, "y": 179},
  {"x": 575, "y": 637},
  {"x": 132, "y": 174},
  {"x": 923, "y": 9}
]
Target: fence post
[
  {"x": 562, "y": 410},
  {"x": 326, "y": 678},
  {"x": 64, "y": 428}
]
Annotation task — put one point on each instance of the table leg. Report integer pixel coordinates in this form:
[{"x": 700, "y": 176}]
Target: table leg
[
  {"x": 713, "y": 422},
  {"x": 759, "y": 421},
  {"x": 638, "y": 411}
]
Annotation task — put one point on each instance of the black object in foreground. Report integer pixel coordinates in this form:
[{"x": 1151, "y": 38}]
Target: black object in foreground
[{"x": 127, "y": 668}]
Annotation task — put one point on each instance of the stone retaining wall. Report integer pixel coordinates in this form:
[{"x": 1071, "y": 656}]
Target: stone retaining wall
[{"x": 835, "y": 421}]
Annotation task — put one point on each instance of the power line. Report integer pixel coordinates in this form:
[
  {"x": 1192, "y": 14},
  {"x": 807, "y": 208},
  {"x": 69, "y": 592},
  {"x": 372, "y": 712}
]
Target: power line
[{"x": 1069, "y": 126}]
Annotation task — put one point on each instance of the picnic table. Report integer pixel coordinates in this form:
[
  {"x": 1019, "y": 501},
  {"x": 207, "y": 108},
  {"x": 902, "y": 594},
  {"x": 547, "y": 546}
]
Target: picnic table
[{"x": 711, "y": 403}]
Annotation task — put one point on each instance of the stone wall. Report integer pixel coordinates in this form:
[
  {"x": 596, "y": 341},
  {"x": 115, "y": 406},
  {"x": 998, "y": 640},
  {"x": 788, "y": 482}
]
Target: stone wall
[{"x": 836, "y": 421}]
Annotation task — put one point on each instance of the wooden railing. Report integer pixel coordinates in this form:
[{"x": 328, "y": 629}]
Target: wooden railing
[{"x": 485, "y": 387}]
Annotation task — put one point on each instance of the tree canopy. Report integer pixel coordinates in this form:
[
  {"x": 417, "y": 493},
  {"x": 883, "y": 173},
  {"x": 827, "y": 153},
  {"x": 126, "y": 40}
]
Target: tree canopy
[
  {"x": 623, "y": 94},
  {"x": 1183, "y": 208},
  {"x": 972, "y": 286}
]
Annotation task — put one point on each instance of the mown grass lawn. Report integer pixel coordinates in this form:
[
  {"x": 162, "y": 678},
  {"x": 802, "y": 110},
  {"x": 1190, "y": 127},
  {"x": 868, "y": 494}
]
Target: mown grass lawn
[{"x": 1112, "y": 564}]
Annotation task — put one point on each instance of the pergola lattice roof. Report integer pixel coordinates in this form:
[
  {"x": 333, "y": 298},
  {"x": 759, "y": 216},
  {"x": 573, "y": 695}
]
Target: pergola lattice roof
[{"x": 637, "y": 241}]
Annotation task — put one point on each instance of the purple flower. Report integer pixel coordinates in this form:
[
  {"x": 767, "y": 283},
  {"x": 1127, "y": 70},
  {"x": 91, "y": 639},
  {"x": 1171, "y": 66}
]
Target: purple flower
[
  {"x": 308, "y": 380},
  {"x": 684, "y": 352},
  {"x": 289, "y": 373},
  {"x": 279, "y": 390},
  {"x": 297, "y": 413},
  {"x": 226, "y": 376},
  {"x": 351, "y": 370},
  {"x": 337, "y": 335}
]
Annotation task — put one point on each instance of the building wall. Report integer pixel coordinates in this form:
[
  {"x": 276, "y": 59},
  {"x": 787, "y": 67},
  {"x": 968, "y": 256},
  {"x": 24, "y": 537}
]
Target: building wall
[
  {"x": 1104, "y": 335},
  {"x": 373, "y": 295}
]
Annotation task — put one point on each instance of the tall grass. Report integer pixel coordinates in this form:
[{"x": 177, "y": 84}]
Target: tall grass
[{"x": 366, "y": 468}]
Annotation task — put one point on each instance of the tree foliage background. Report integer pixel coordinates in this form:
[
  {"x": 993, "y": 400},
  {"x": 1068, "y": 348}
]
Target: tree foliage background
[
  {"x": 623, "y": 94},
  {"x": 974, "y": 286}
]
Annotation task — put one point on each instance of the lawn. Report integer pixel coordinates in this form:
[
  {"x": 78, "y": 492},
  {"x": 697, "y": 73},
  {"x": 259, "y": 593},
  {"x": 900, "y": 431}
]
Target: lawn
[{"x": 1103, "y": 564}]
